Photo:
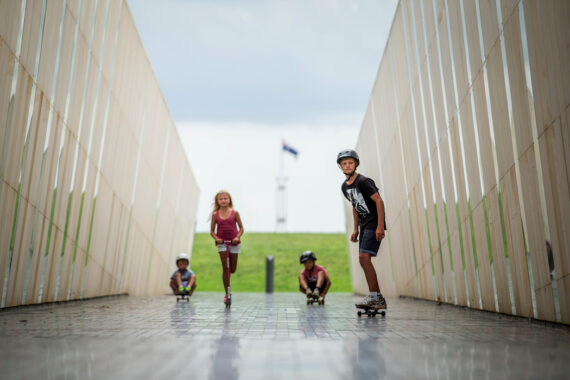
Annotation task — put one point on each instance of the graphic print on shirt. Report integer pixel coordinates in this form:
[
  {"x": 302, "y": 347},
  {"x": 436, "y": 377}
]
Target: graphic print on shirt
[{"x": 357, "y": 200}]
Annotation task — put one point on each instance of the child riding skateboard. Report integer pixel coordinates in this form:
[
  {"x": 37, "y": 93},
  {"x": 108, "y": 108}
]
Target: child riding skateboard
[
  {"x": 183, "y": 280},
  {"x": 367, "y": 211},
  {"x": 314, "y": 280}
]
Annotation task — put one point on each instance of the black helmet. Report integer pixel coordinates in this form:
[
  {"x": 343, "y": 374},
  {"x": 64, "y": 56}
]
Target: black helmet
[
  {"x": 307, "y": 255},
  {"x": 348, "y": 153}
]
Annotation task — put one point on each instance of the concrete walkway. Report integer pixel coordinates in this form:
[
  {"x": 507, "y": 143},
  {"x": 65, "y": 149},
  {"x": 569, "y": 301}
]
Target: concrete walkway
[{"x": 273, "y": 337}]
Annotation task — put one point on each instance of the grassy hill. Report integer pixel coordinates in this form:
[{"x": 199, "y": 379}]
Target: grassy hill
[{"x": 331, "y": 251}]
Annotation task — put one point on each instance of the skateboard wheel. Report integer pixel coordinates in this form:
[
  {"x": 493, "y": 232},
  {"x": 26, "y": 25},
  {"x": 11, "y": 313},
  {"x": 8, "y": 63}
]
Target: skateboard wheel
[
  {"x": 383, "y": 313},
  {"x": 359, "y": 313}
]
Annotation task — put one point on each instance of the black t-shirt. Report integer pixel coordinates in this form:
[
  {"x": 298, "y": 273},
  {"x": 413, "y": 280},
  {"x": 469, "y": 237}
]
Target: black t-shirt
[{"x": 359, "y": 193}]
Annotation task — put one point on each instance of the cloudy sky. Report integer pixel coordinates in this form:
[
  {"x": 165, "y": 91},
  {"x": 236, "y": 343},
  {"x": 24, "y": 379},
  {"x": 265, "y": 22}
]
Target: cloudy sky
[{"x": 240, "y": 77}]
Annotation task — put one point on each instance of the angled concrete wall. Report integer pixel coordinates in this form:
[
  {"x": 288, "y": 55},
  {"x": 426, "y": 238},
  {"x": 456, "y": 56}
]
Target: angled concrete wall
[
  {"x": 467, "y": 133},
  {"x": 96, "y": 194}
]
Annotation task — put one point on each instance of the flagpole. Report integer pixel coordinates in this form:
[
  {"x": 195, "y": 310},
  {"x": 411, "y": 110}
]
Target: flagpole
[
  {"x": 282, "y": 164},
  {"x": 281, "y": 196}
]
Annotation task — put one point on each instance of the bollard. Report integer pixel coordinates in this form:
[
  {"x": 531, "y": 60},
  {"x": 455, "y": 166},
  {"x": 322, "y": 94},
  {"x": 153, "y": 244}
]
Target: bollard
[{"x": 268, "y": 274}]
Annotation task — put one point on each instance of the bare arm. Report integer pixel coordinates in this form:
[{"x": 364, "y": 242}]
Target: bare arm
[
  {"x": 213, "y": 230},
  {"x": 354, "y": 236},
  {"x": 327, "y": 287},
  {"x": 303, "y": 281},
  {"x": 380, "y": 211},
  {"x": 240, "y": 228}
]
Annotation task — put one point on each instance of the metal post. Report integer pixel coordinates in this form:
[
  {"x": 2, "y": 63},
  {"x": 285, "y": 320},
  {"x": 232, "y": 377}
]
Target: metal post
[{"x": 269, "y": 274}]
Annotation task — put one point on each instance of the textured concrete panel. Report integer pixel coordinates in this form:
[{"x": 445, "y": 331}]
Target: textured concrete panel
[
  {"x": 80, "y": 194},
  {"x": 493, "y": 81}
]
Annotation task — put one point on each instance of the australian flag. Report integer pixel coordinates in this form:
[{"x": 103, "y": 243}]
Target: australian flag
[{"x": 290, "y": 149}]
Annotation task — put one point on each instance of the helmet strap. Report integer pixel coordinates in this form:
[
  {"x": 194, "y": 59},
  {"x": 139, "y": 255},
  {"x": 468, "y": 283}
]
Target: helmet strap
[{"x": 350, "y": 175}]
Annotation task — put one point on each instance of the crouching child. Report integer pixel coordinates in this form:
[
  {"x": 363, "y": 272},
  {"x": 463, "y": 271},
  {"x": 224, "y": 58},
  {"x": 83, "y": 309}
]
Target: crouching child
[
  {"x": 314, "y": 280},
  {"x": 183, "y": 280}
]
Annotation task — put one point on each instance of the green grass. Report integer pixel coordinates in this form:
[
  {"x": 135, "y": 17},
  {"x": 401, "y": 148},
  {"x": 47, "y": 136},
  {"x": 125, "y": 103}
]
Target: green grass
[{"x": 331, "y": 251}]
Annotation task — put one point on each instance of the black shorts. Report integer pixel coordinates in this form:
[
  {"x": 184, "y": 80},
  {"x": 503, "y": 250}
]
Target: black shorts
[
  {"x": 313, "y": 284},
  {"x": 368, "y": 243}
]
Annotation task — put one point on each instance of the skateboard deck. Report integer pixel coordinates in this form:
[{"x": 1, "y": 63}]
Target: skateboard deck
[
  {"x": 370, "y": 311},
  {"x": 182, "y": 297}
]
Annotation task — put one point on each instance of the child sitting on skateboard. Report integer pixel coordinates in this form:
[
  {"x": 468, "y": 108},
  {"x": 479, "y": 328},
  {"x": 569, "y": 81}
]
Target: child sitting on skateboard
[
  {"x": 314, "y": 280},
  {"x": 226, "y": 226},
  {"x": 367, "y": 211},
  {"x": 183, "y": 280}
]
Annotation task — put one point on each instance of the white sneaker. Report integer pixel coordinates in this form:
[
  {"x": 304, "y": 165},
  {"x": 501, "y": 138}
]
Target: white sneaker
[
  {"x": 381, "y": 303},
  {"x": 366, "y": 302},
  {"x": 378, "y": 303}
]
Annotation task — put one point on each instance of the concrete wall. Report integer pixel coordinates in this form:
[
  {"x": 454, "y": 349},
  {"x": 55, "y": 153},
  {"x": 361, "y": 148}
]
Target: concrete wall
[
  {"x": 467, "y": 134},
  {"x": 96, "y": 194}
]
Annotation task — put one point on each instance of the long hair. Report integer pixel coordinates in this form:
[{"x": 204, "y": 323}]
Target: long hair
[{"x": 217, "y": 205}]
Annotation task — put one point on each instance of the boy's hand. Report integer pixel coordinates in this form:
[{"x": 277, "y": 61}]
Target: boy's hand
[
  {"x": 219, "y": 241},
  {"x": 235, "y": 241},
  {"x": 354, "y": 237},
  {"x": 380, "y": 233}
]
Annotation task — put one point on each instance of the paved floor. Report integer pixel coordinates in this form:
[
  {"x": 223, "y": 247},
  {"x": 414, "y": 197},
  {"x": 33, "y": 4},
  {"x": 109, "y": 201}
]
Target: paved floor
[{"x": 273, "y": 337}]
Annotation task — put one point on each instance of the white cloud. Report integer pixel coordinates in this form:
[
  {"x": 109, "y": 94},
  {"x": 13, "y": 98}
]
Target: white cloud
[
  {"x": 245, "y": 160},
  {"x": 240, "y": 76},
  {"x": 264, "y": 61}
]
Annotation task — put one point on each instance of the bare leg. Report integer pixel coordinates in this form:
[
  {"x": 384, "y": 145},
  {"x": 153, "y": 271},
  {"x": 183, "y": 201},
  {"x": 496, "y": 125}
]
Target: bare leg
[
  {"x": 192, "y": 284},
  {"x": 176, "y": 283},
  {"x": 233, "y": 262},
  {"x": 324, "y": 293},
  {"x": 224, "y": 274},
  {"x": 173, "y": 287},
  {"x": 369, "y": 272}
]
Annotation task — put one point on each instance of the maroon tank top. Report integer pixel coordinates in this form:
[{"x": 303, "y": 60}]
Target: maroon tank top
[{"x": 227, "y": 229}]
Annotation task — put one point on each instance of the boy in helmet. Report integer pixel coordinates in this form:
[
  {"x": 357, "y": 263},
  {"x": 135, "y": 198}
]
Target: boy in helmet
[
  {"x": 183, "y": 280},
  {"x": 367, "y": 210},
  {"x": 314, "y": 280}
]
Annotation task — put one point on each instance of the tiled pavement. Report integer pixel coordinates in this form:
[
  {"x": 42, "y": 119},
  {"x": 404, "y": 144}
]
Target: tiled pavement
[{"x": 273, "y": 337}]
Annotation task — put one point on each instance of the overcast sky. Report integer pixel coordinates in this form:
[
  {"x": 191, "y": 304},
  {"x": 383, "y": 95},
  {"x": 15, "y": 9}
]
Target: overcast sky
[{"x": 241, "y": 76}]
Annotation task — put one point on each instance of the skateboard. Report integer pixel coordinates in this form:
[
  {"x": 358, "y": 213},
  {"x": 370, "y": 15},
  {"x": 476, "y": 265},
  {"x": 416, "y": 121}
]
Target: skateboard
[
  {"x": 183, "y": 296},
  {"x": 313, "y": 299},
  {"x": 370, "y": 311}
]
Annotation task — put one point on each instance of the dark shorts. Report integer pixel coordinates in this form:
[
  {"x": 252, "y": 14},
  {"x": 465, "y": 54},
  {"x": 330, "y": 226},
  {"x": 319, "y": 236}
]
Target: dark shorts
[
  {"x": 368, "y": 243},
  {"x": 313, "y": 284}
]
